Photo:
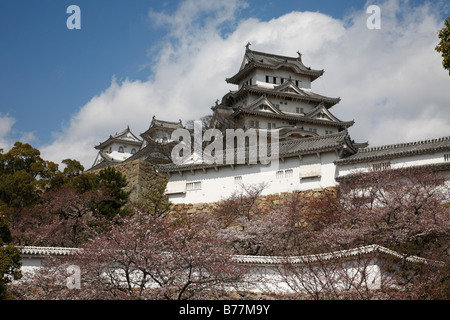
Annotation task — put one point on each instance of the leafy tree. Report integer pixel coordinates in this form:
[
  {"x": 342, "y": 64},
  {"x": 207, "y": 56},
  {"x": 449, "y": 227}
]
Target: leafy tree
[
  {"x": 84, "y": 182},
  {"x": 154, "y": 200},
  {"x": 19, "y": 168},
  {"x": 444, "y": 45},
  {"x": 73, "y": 168},
  {"x": 9, "y": 260},
  {"x": 25, "y": 175},
  {"x": 115, "y": 182},
  {"x": 21, "y": 157},
  {"x": 18, "y": 189}
]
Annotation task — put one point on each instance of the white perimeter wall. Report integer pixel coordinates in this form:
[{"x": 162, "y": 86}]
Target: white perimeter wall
[{"x": 405, "y": 162}]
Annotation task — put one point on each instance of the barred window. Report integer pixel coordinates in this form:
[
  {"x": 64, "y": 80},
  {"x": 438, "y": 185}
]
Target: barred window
[
  {"x": 288, "y": 173},
  {"x": 280, "y": 174},
  {"x": 447, "y": 157},
  {"x": 190, "y": 186},
  {"x": 238, "y": 179},
  {"x": 381, "y": 166}
]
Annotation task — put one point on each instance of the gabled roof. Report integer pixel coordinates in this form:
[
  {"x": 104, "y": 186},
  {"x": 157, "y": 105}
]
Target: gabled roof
[
  {"x": 397, "y": 150},
  {"x": 289, "y": 86},
  {"x": 165, "y": 124},
  {"x": 254, "y": 59},
  {"x": 287, "y": 148},
  {"x": 126, "y": 137},
  {"x": 292, "y": 117},
  {"x": 103, "y": 160},
  {"x": 280, "y": 92},
  {"x": 321, "y": 109},
  {"x": 263, "y": 101},
  {"x": 157, "y": 125},
  {"x": 289, "y": 131}
]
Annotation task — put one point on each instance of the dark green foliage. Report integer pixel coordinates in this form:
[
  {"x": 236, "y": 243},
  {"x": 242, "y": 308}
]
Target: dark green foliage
[
  {"x": 9, "y": 260},
  {"x": 444, "y": 45},
  {"x": 155, "y": 200},
  {"x": 114, "y": 181},
  {"x": 73, "y": 168}
]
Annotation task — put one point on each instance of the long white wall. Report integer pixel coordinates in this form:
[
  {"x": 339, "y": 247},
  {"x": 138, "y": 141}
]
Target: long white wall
[
  {"x": 398, "y": 163},
  {"x": 284, "y": 177}
]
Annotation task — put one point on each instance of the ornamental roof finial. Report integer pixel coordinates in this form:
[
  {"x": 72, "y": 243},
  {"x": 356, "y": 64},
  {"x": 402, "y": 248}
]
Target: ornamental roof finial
[{"x": 248, "y": 45}]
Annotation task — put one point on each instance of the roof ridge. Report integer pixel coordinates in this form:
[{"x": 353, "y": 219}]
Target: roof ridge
[
  {"x": 403, "y": 144},
  {"x": 273, "y": 55}
]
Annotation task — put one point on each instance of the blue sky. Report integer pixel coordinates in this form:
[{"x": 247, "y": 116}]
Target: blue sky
[
  {"x": 48, "y": 72},
  {"x": 50, "y": 76}
]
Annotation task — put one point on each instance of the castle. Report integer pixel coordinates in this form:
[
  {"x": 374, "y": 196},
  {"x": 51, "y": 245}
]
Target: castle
[{"x": 314, "y": 149}]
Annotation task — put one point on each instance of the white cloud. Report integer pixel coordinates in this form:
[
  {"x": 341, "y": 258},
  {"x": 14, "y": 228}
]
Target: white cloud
[
  {"x": 391, "y": 80},
  {"x": 8, "y": 136},
  {"x": 6, "y": 124}
]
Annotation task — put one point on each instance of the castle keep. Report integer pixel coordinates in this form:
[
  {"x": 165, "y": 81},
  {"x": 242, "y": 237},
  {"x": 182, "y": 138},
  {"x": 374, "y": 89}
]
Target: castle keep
[{"x": 273, "y": 95}]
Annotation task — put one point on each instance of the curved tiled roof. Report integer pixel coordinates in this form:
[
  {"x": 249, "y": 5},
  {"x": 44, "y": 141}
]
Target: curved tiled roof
[
  {"x": 344, "y": 124},
  {"x": 46, "y": 251},
  {"x": 255, "y": 59},
  {"x": 303, "y": 96},
  {"x": 125, "y": 136},
  {"x": 397, "y": 150},
  {"x": 287, "y": 148},
  {"x": 299, "y": 260},
  {"x": 260, "y": 260}
]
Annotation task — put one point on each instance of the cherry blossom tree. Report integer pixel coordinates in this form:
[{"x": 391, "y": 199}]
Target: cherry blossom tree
[
  {"x": 405, "y": 210},
  {"x": 64, "y": 217},
  {"x": 147, "y": 257}
]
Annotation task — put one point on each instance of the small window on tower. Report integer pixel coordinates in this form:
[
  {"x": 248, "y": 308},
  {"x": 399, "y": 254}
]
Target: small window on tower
[
  {"x": 288, "y": 173},
  {"x": 280, "y": 174}
]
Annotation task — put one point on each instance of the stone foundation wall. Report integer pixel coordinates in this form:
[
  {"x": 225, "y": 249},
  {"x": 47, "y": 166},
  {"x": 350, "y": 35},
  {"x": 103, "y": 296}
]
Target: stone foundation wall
[
  {"x": 141, "y": 175},
  {"x": 263, "y": 204}
]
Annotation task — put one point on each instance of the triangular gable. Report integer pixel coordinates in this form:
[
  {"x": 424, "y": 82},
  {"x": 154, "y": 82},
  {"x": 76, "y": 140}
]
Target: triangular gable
[
  {"x": 127, "y": 135},
  {"x": 100, "y": 158},
  {"x": 321, "y": 112},
  {"x": 247, "y": 59},
  {"x": 289, "y": 87},
  {"x": 263, "y": 101}
]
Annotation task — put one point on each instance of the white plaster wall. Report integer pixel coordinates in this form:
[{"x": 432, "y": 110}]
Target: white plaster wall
[
  {"x": 277, "y": 279},
  {"x": 404, "y": 162},
  {"x": 220, "y": 184},
  {"x": 121, "y": 155},
  {"x": 260, "y": 75}
]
